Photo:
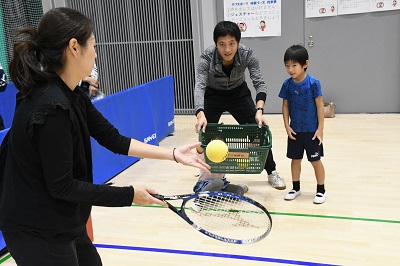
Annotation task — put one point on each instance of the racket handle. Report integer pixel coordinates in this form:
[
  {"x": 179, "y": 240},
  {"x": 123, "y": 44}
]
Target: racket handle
[{"x": 158, "y": 196}]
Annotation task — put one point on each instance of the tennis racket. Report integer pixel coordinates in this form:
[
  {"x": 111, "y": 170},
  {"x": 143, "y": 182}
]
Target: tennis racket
[{"x": 224, "y": 216}]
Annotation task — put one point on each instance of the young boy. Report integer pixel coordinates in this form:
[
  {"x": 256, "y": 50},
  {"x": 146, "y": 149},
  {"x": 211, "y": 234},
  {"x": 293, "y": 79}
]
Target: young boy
[{"x": 304, "y": 109}]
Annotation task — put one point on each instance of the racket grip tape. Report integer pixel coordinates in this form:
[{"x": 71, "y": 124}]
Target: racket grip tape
[{"x": 157, "y": 196}]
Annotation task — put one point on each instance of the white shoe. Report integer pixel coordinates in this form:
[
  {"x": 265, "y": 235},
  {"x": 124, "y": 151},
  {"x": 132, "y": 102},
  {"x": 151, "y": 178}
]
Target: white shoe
[
  {"x": 320, "y": 198},
  {"x": 276, "y": 181},
  {"x": 291, "y": 195}
]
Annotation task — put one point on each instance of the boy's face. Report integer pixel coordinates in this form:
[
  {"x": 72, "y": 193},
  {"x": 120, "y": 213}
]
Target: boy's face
[
  {"x": 227, "y": 47},
  {"x": 296, "y": 70}
]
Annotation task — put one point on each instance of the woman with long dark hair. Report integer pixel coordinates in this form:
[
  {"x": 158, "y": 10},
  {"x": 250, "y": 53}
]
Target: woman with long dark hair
[{"x": 46, "y": 189}]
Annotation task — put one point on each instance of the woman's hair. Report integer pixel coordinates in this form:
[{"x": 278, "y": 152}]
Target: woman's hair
[
  {"x": 38, "y": 53},
  {"x": 296, "y": 53},
  {"x": 224, "y": 28}
]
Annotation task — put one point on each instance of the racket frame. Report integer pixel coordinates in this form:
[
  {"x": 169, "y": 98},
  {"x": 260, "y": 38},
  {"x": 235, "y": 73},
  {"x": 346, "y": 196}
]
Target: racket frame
[{"x": 186, "y": 197}]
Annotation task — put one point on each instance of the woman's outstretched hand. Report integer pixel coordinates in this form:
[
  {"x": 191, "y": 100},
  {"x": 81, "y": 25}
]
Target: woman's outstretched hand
[{"x": 184, "y": 155}]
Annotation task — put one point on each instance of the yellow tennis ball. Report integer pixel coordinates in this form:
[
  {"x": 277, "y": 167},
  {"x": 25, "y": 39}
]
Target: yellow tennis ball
[
  {"x": 243, "y": 163},
  {"x": 216, "y": 151}
]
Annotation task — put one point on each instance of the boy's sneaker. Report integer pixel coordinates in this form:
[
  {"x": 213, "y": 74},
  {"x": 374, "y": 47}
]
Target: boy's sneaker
[
  {"x": 320, "y": 198},
  {"x": 276, "y": 181},
  {"x": 245, "y": 188},
  {"x": 291, "y": 195}
]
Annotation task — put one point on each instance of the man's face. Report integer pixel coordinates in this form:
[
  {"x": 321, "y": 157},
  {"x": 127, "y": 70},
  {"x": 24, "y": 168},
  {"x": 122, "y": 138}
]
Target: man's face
[{"x": 227, "y": 47}]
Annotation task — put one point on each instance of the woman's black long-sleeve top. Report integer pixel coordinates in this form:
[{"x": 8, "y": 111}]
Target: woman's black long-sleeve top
[{"x": 48, "y": 185}]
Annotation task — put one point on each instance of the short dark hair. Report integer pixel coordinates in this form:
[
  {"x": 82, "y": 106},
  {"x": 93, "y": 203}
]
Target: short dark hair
[
  {"x": 297, "y": 53},
  {"x": 224, "y": 28}
]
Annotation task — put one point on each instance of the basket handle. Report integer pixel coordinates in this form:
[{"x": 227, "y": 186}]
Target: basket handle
[{"x": 269, "y": 134}]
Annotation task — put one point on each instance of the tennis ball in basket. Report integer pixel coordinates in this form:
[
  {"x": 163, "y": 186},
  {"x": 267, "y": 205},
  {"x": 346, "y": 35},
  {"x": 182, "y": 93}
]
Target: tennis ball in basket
[
  {"x": 243, "y": 163},
  {"x": 216, "y": 151}
]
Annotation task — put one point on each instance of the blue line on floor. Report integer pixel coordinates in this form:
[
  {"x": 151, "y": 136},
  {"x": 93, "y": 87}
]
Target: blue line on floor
[{"x": 210, "y": 254}]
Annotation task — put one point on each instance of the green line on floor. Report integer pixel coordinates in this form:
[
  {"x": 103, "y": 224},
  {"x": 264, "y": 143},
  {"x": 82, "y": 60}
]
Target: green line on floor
[
  {"x": 310, "y": 215},
  {"x": 5, "y": 258},
  {"x": 336, "y": 217}
]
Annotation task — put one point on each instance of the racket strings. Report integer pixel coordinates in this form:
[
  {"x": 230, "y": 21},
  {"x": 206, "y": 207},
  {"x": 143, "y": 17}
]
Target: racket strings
[
  {"x": 225, "y": 208},
  {"x": 229, "y": 217}
]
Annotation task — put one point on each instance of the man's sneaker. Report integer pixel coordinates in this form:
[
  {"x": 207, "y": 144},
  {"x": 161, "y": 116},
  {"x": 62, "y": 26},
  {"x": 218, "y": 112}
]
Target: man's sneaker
[
  {"x": 320, "y": 198},
  {"x": 276, "y": 181},
  {"x": 245, "y": 188},
  {"x": 291, "y": 195}
]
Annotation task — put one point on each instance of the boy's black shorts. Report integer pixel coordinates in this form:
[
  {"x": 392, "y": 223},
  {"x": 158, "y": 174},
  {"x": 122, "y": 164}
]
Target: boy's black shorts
[{"x": 295, "y": 148}]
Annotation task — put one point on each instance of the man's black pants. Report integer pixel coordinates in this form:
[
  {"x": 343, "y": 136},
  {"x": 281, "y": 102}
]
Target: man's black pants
[{"x": 239, "y": 103}]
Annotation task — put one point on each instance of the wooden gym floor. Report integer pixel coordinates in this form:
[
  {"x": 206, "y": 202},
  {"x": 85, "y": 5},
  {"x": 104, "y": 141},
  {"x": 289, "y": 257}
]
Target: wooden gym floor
[{"x": 359, "y": 224}]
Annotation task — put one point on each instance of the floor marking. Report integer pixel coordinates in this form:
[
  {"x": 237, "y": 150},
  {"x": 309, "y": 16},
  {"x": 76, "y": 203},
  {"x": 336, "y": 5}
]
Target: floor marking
[{"x": 214, "y": 255}]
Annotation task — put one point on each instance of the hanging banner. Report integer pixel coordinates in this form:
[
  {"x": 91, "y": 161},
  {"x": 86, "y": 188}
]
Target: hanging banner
[
  {"x": 346, "y": 7},
  {"x": 321, "y": 8},
  {"x": 384, "y": 5},
  {"x": 255, "y": 18}
]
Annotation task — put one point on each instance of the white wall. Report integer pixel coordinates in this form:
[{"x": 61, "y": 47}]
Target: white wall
[
  {"x": 49, "y": 4},
  {"x": 204, "y": 19}
]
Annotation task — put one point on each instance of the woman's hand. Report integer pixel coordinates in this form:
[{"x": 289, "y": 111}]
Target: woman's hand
[
  {"x": 143, "y": 196},
  {"x": 184, "y": 155}
]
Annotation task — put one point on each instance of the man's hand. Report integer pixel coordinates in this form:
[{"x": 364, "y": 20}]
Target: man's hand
[
  {"x": 260, "y": 119},
  {"x": 201, "y": 122}
]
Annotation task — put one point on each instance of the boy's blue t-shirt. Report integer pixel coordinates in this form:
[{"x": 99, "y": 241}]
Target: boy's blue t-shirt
[{"x": 301, "y": 100}]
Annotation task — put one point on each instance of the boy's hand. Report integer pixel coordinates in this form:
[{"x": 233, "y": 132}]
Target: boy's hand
[
  {"x": 290, "y": 132},
  {"x": 320, "y": 135}
]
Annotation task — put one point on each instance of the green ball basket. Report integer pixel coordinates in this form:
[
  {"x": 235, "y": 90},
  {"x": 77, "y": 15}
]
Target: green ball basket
[{"x": 248, "y": 147}]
